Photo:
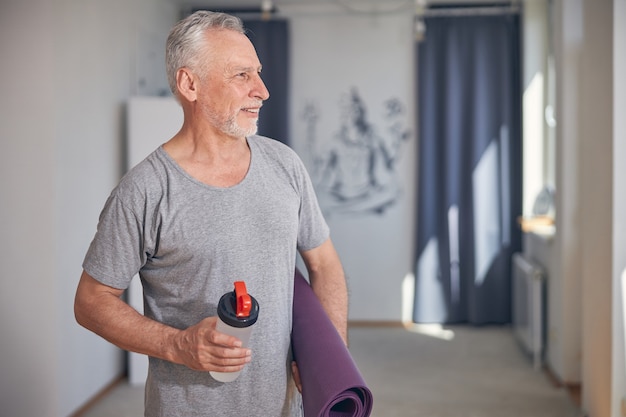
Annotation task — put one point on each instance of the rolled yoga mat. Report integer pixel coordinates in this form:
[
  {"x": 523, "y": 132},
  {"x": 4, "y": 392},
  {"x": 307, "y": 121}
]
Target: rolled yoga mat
[{"x": 332, "y": 385}]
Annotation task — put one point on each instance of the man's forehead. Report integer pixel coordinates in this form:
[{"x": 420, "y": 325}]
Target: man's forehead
[
  {"x": 235, "y": 50},
  {"x": 242, "y": 62},
  {"x": 245, "y": 68}
]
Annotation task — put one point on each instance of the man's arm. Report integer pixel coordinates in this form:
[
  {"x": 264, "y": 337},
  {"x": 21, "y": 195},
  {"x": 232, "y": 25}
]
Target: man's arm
[
  {"x": 329, "y": 284},
  {"x": 99, "y": 308}
]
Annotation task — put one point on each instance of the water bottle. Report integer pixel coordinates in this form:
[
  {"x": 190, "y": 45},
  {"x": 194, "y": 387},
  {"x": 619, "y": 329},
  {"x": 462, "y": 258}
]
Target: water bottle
[{"x": 237, "y": 311}]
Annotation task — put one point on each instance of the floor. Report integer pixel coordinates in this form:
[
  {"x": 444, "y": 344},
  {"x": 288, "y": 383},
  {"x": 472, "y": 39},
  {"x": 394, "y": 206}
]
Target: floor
[{"x": 426, "y": 371}]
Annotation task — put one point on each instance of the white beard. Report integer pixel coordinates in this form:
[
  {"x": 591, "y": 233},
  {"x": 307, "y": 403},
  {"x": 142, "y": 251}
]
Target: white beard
[{"x": 230, "y": 126}]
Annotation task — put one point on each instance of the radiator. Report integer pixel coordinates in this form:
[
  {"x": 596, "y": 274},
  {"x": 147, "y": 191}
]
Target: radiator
[{"x": 529, "y": 287}]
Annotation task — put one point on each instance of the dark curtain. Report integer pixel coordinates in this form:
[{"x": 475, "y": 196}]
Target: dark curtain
[
  {"x": 469, "y": 171},
  {"x": 271, "y": 40}
]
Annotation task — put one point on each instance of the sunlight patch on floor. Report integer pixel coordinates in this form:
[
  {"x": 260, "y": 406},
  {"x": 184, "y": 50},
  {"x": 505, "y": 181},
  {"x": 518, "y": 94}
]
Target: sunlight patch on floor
[
  {"x": 408, "y": 297},
  {"x": 432, "y": 330}
]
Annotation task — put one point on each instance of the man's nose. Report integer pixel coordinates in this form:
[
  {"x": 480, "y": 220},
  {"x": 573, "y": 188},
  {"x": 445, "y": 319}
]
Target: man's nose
[{"x": 260, "y": 90}]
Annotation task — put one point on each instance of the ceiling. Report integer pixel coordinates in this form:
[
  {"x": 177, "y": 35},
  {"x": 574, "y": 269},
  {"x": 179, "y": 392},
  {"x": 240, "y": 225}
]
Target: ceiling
[{"x": 382, "y": 4}]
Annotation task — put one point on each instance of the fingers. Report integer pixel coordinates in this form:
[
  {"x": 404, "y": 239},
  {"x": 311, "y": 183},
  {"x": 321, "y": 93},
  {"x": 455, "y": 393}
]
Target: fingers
[
  {"x": 202, "y": 348},
  {"x": 296, "y": 376},
  {"x": 218, "y": 358},
  {"x": 217, "y": 338},
  {"x": 228, "y": 359},
  {"x": 227, "y": 353},
  {"x": 229, "y": 356}
]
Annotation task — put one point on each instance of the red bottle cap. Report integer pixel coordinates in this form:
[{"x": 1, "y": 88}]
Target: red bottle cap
[{"x": 244, "y": 302}]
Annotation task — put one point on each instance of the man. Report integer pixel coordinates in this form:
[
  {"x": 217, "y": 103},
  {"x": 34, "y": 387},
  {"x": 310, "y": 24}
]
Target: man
[{"x": 213, "y": 205}]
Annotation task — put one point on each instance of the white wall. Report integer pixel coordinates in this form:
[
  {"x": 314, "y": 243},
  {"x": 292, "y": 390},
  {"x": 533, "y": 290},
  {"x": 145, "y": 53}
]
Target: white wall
[
  {"x": 619, "y": 209},
  {"x": 28, "y": 316},
  {"x": 564, "y": 333},
  {"x": 334, "y": 51},
  {"x": 589, "y": 201},
  {"x": 68, "y": 68},
  {"x": 596, "y": 183}
]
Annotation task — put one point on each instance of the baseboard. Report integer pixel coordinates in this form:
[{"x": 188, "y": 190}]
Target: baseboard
[
  {"x": 96, "y": 398},
  {"x": 573, "y": 390},
  {"x": 375, "y": 323}
]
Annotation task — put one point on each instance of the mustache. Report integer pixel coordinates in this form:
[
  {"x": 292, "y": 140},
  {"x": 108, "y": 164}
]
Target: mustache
[{"x": 255, "y": 104}]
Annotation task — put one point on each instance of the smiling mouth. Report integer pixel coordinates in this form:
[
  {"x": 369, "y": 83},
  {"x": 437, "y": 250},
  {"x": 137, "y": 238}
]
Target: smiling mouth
[{"x": 254, "y": 109}]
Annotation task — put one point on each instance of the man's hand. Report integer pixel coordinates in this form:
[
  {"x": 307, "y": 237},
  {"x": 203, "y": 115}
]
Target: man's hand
[
  {"x": 202, "y": 348},
  {"x": 100, "y": 309},
  {"x": 296, "y": 376}
]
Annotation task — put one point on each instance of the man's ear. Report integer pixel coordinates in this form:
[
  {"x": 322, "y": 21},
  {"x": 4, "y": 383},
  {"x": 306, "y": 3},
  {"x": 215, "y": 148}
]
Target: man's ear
[{"x": 186, "y": 84}]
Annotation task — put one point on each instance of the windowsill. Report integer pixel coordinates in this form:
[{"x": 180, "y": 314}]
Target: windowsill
[{"x": 541, "y": 226}]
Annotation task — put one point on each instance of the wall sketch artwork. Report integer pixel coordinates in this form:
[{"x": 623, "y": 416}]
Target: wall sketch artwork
[{"x": 354, "y": 170}]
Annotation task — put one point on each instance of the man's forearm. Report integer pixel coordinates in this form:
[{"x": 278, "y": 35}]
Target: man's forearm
[
  {"x": 330, "y": 287},
  {"x": 105, "y": 314},
  {"x": 99, "y": 308},
  {"x": 328, "y": 282}
]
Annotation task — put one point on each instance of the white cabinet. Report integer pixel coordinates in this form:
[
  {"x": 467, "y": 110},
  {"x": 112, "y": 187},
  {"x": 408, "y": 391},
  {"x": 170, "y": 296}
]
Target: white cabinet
[{"x": 152, "y": 121}]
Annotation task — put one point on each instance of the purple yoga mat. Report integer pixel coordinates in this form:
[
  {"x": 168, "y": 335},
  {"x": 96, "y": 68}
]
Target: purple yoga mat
[{"x": 332, "y": 385}]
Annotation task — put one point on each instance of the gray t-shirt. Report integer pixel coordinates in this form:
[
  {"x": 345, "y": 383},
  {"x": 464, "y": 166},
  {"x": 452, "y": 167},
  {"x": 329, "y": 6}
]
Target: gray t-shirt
[{"x": 189, "y": 242}]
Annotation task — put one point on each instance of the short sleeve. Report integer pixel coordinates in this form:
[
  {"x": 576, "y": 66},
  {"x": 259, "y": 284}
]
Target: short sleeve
[
  {"x": 313, "y": 229},
  {"x": 116, "y": 252}
]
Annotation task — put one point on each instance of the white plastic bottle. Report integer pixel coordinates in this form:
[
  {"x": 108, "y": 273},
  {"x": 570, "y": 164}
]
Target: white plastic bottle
[{"x": 237, "y": 312}]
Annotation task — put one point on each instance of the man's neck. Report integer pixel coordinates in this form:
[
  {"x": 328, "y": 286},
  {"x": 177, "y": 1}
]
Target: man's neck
[{"x": 216, "y": 160}]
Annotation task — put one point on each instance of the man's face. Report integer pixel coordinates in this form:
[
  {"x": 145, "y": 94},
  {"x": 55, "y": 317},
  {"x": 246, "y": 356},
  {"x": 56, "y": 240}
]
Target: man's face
[{"x": 231, "y": 92}]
